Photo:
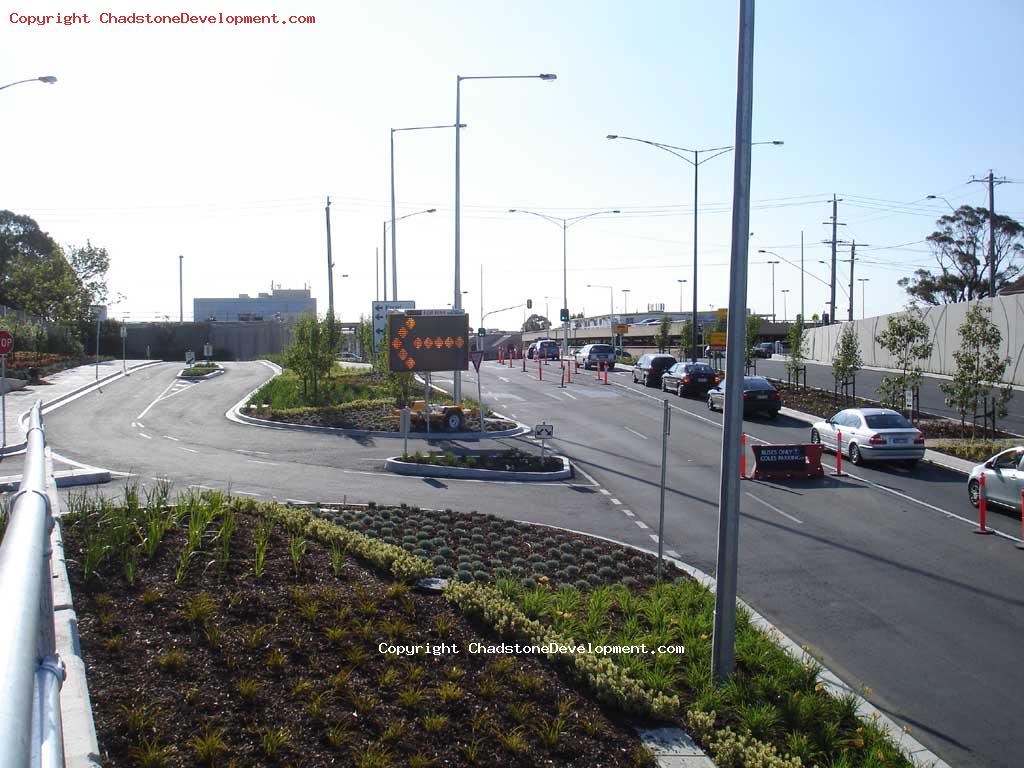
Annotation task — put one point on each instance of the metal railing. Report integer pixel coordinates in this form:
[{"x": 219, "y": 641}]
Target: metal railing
[{"x": 31, "y": 672}]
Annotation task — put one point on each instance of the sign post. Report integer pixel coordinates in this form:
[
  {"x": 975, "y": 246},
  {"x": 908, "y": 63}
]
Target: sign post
[
  {"x": 543, "y": 432},
  {"x": 124, "y": 347},
  {"x": 6, "y": 348},
  {"x": 477, "y": 358},
  {"x": 208, "y": 351},
  {"x": 404, "y": 425},
  {"x": 666, "y": 428}
]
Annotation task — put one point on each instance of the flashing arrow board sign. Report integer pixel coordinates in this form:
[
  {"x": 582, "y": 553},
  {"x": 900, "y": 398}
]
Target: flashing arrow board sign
[
  {"x": 428, "y": 342},
  {"x": 544, "y": 431}
]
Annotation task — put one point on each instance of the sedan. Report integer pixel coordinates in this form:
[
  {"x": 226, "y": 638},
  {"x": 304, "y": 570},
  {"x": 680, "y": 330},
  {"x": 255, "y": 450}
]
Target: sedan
[
  {"x": 870, "y": 434},
  {"x": 689, "y": 379},
  {"x": 759, "y": 397},
  {"x": 1004, "y": 479}
]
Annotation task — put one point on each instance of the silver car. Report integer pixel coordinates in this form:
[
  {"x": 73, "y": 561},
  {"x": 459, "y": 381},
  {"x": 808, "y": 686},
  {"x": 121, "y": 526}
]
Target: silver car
[
  {"x": 1004, "y": 479},
  {"x": 871, "y": 434}
]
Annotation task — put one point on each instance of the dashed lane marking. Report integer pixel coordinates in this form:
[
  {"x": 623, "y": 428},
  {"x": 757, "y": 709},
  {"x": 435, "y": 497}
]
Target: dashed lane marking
[
  {"x": 257, "y": 461},
  {"x": 773, "y": 508},
  {"x": 143, "y": 434},
  {"x": 615, "y": 501},
  {"x": 641, "y": 524},
  {"x": 190, "y": 450},
  {"x": 654, "y": 537},
  {"x": 605, "y": 491},
  {"x": 628, "y": 513},
  {"x": 642, "y": 437},
  {"x": 674, "y": 555},
  {"x": 168, "y": 437}
]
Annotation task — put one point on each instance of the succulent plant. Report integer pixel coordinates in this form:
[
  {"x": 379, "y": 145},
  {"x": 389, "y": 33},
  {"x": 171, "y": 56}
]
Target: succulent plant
[
  {"x": 518, "y": 562},
  {"x": 465, "y": 576},
  {"x": 572, "y": 572},
  {"x": 606, "y": 572},
  {"x": 536, "y": 558},
  {"x": 481, "y": 576},
  {"x": 552, "y": 565},
  {"x": 438, "y": 560},
  {"x": 445, "y": 552},
  {"x": 420, "y": 552},
  {"x": 444, "y": 571},
  {"x": 568, "y": 558},
  {"x": 581, "y": 584},
  {"x": 605, "y": 560},
  {"x": 629, "y": 582}
]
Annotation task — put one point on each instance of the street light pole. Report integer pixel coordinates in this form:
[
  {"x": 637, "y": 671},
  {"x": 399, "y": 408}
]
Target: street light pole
[
  {"x": 696, "y": 162},
  {"x": 48, "y": 79},
  {"x": 394, "y": 265},
  {"x": 564, "y": 224},
  {"x": 181, "y": 289},
  {"x": 625, "y": 301},
  {"x": 680, "y": 295},
  {"x": 773, "y": 263},
  {"x": 862, "y": 280},
  {"x": 785, "y": 313},
  {"x": 457, "y": 375}
]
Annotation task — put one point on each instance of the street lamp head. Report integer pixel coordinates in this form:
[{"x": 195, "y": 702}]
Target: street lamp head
[
  {"x": 548, "y": 76},
  {"x": 616, "y": 211},
  {"x": 611, "y": 136},
  {"x": 431, "y": 210},
  {"x": 50, "y": 79},
  {"x": 932, "y": 197},
  {"x": 511, "y": 210},
  {"x": 778, "y": 143}
]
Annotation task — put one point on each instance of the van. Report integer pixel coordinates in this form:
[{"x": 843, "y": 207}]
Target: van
[{"x": 544, "y": 349}]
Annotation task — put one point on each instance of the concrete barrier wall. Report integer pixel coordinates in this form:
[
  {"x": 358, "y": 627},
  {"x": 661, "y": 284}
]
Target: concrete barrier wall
[
  {"x": 231, "y": 341},
  {"x": 944, "y": 322}
]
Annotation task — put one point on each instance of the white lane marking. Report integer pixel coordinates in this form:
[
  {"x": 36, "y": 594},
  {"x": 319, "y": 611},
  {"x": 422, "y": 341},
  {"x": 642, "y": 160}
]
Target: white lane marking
[
  {"x": 257, "y": 461},
  {"x": 654, "y": 537},
  {"x": 605, "y": 492},
  {"x": 172, "y": 438},
  {"x": 586, "y": 475},
  {"x": 774, "y": 508},
  {"x": 553, "y": 396},
  {"x": 246, "y": 451},
  {"x": 190, "y": 450},
  {"x": 642, "y": 437},
  {"x": 573, "y": 397},
  {"x": 141, "y": 425},
  {"x": 143, "y": 434},
  {"x": 206, "y": 487},
  {"x": 641, "y": 524},
  {"x": 627, "y": 512},
  {"x": 155, "y": 401},
  {"x": 502, "y": 378},
  {"x": 674, "y": 555},
  {"x": 616, "y": 502},
  {"x": 247, "y": 493}
]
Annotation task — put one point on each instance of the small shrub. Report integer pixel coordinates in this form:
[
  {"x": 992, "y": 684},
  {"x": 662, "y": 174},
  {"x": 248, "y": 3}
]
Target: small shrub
[
  {"x": 172, "y": 662},
  {"x": 210, "y": 746},
  {"x": 274, "y": 740}
]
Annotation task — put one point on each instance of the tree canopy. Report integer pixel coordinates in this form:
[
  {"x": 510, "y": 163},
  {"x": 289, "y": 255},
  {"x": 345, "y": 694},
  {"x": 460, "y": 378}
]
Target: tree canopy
[
  {"x": 536, "y": 323},
  {"x": 960, "y": 247}
]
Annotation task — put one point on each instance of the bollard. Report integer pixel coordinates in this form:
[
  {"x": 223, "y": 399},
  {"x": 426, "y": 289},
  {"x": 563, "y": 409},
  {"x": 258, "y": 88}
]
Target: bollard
[
  {"x": 524, "y": 361},
  {"x": 600, "y": 364},
  {"x": 1020, "y": 544},
  {"x": 568, "y": 371},
  {"x": 743, "y": 455},
  {"x": 839, "y": 454},
  {"x": 606, "y": 374},
  {"x": 562, "y": 385},
  {"x": 982, "y": 506},
  {"x": 540, "y": 370}
]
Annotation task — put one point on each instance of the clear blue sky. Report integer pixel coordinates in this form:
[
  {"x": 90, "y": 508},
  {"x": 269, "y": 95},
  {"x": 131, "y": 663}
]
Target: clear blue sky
[{"x": 221, "y": 142}]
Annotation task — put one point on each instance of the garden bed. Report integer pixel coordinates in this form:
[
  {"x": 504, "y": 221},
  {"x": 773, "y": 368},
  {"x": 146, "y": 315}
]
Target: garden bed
[
  {"x": 200, "y": 369},
  {"x": 35, "y": 366},
  {"x": 512, "y": 460},
  {"x": 248, "y": 635}
]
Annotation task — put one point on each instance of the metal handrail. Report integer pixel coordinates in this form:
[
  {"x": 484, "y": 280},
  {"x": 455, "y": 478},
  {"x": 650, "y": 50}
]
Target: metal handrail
[{"x": 31, "y": 672}]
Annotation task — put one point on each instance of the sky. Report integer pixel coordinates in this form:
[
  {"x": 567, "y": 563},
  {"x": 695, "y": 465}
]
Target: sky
[{"x": 222, "y": 142}]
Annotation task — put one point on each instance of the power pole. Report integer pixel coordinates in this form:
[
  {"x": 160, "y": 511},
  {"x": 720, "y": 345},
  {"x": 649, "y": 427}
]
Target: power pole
[
  {"x": 835, "y": 223},
  {"x": 853, "y": 256},
  {"x": 330, "y": 263},
  {"x": 376, "y": 271},
  {"x": 181, "y": 290},
  {"x": 803, "y": 318},
  {"x": 991, "y": 181}
]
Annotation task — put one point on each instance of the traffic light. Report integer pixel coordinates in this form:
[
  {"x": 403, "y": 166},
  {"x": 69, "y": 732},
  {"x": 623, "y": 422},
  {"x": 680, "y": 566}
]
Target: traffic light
[
  {"x": 529, "y": 303},
  {"x": 564, "y": 317}
]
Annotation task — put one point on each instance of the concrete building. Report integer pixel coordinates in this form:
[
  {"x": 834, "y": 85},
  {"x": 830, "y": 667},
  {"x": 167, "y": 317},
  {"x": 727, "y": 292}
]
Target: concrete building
[{"x": 280, "y": 304}]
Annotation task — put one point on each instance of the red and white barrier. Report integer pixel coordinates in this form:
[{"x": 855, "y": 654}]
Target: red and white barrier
[
  {"x": 839, "y": 454},
  {"x": 743, "y": 455},
  {"x": 982, "y": 506}
]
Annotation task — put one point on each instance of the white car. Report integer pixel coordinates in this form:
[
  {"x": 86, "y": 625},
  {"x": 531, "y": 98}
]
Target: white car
[
  {"x": 871, "y": 434},
  {"x": 1004, "y": 479}
]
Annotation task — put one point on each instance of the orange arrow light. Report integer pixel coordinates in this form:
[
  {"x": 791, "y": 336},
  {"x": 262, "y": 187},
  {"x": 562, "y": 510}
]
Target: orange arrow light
[
  {"x": 438, "y": 342},
  {"x": 403, "y": 332},
  {"x": 410, "y": 323},
  {"x": 417, "y": 342},
  {"x": 449, "y": 342},
  {"x": 396, "y": 343},
  {"x": 410, "y": 363}
]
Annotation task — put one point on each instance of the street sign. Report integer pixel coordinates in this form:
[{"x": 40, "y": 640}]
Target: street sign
[
  {"x": 380, "y": 317},
  {"x": 207, "y": 350},
  {"x": 723, "y": 313},
  {"x": 544, "y": 431},
  {"x": 717, "y": 338},
  {"x": 428, "y": 342},
  {"x": 190, "y": 356},
  {"x": 908, "y": 397},
  {"x": 477, "y": 357},
  {"x": 6, "y": 343},
  {"x": 621, "y": 328},
  {"x": 124, "y": 331}
]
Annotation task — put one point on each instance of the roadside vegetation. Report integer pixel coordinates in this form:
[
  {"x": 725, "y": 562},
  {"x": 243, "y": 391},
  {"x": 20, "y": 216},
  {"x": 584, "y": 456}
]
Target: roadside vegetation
[
  {"x": 200, "y": 368},
  {"x": 512, "y": 460},
  {"x": 224, "y": 631}
]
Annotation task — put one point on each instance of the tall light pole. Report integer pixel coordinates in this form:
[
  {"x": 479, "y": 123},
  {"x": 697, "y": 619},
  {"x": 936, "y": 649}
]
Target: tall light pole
[
  {"x": 386, "y": 224},
  {"x": 330, "y": 261},
  {"x": 681, "y": 282},
  {"x": 696, "y": 162},
  {"x": 773, "y": 263},
  {"x": 785, "y": 314},
  {"x": 181, "y": 289},
  {"x": 564, "y": 224},
  {"x": 862, "y": 280},
  {"x": 625, "y": 301},
  {"x": 48, "y": 79},
  {"x": 457, "y": 377},
  {"x": 611, "y": 298},
  {"x": 394, "y": 247}
]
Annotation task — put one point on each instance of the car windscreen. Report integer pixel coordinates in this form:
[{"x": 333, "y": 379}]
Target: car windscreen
[
  {"x": 751, "y": 384},
  {"x": 662, "y": 362},
  {"x": 887, "y": 421},
  {"x": 601, "y": 348},
  {"x": 701, "y": 370}
]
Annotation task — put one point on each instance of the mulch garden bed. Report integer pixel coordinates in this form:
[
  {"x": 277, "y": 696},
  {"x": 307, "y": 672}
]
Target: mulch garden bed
[
  {"x": 378, "y": 418},
  {"x": 483, "y": 547},
  {"x": 213, "y": 665},
  {"x": 512, "y": 460}
]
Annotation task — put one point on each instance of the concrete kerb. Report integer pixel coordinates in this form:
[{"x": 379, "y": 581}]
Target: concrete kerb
[
  {"x": 399, "y": 467},
  {"x": 65, "y": 478},
  {"x": 216, "y": 372},
  {"x": 912, "y": 749},
  {"x": 49, "y": 405},
  {"x": 235, "y": 414}
]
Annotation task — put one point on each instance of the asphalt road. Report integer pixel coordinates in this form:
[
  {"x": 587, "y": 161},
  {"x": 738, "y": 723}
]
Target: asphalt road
[
  {"x": 931, "y": 398},
  {"x": 878, "y": 572}
]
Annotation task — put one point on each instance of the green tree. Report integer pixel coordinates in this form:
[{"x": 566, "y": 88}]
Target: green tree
[
  {"x": 846, "y": 362},
  {"x": 536, "y": 323},
  {"x": 960, "y": 246},
  {"x": 310, "y": 353},
  {"x": 907, "y": 339},
  {"x": 750, "y": 341},
  {"x": 663, "y": 336},
  {"x": 979, "y": 368},
  {"x": 364, "y": 337},
  {"x": 90, "y": 265},
  {"x": 797, "y": 341},
  {"x": 685, "y": 339}
]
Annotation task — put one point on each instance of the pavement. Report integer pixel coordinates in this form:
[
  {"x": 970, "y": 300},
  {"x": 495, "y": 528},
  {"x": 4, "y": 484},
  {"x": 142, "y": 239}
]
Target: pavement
[
  {"x": 877, "y": 572},
  {"x": 868, "y": 380}
]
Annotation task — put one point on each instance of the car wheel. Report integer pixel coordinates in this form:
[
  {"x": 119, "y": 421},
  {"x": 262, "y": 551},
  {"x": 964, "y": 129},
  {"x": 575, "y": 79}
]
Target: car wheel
[
  {"x": 646, "y": 384},
  {"x": 634, "y": 377},
  {"x": 773, "y": 414},
  {"x": 815, "y": 437},
  {"x": 855, "y": 456},
  {"x": 679, "y": 391},
  {"x": 711, "y": 403},
  {"x": 453, "y": 422},
  {"x": 974, "y": 492}
]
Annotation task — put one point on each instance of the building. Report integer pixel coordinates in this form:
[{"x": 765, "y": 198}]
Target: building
[{"x": 280, "y": 304}]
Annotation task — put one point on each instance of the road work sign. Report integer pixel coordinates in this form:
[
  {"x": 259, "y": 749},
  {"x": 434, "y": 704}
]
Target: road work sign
[
  {"x": 544, "y": 431},
  {"x": 428, "y": 341}
]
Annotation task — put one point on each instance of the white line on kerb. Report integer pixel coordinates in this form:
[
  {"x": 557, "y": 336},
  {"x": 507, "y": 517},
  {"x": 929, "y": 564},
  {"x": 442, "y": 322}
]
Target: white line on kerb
[
  {"x": 774, "y": 508},
  {"x": 569, "y": 396},
  {"x": 642, "y": 437},
  {"x": 673, "y": 554},
  {"x": 190, "y": 450}
]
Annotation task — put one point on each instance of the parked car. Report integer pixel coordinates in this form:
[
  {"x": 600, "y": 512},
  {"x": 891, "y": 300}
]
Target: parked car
[
  {"x": 871, "y": 434},
  {"x": 1004, "y": 479},
  {"x": 545, "y": 349},
  {"x": 349, "y": 357},
  {"x": 649, "y": 368},
  {"x": 689, "y": 379},
  {"x": 759, "y": 397},
  {"x": 593, "y": 355},
  {"x": 764, "y": 349}
]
